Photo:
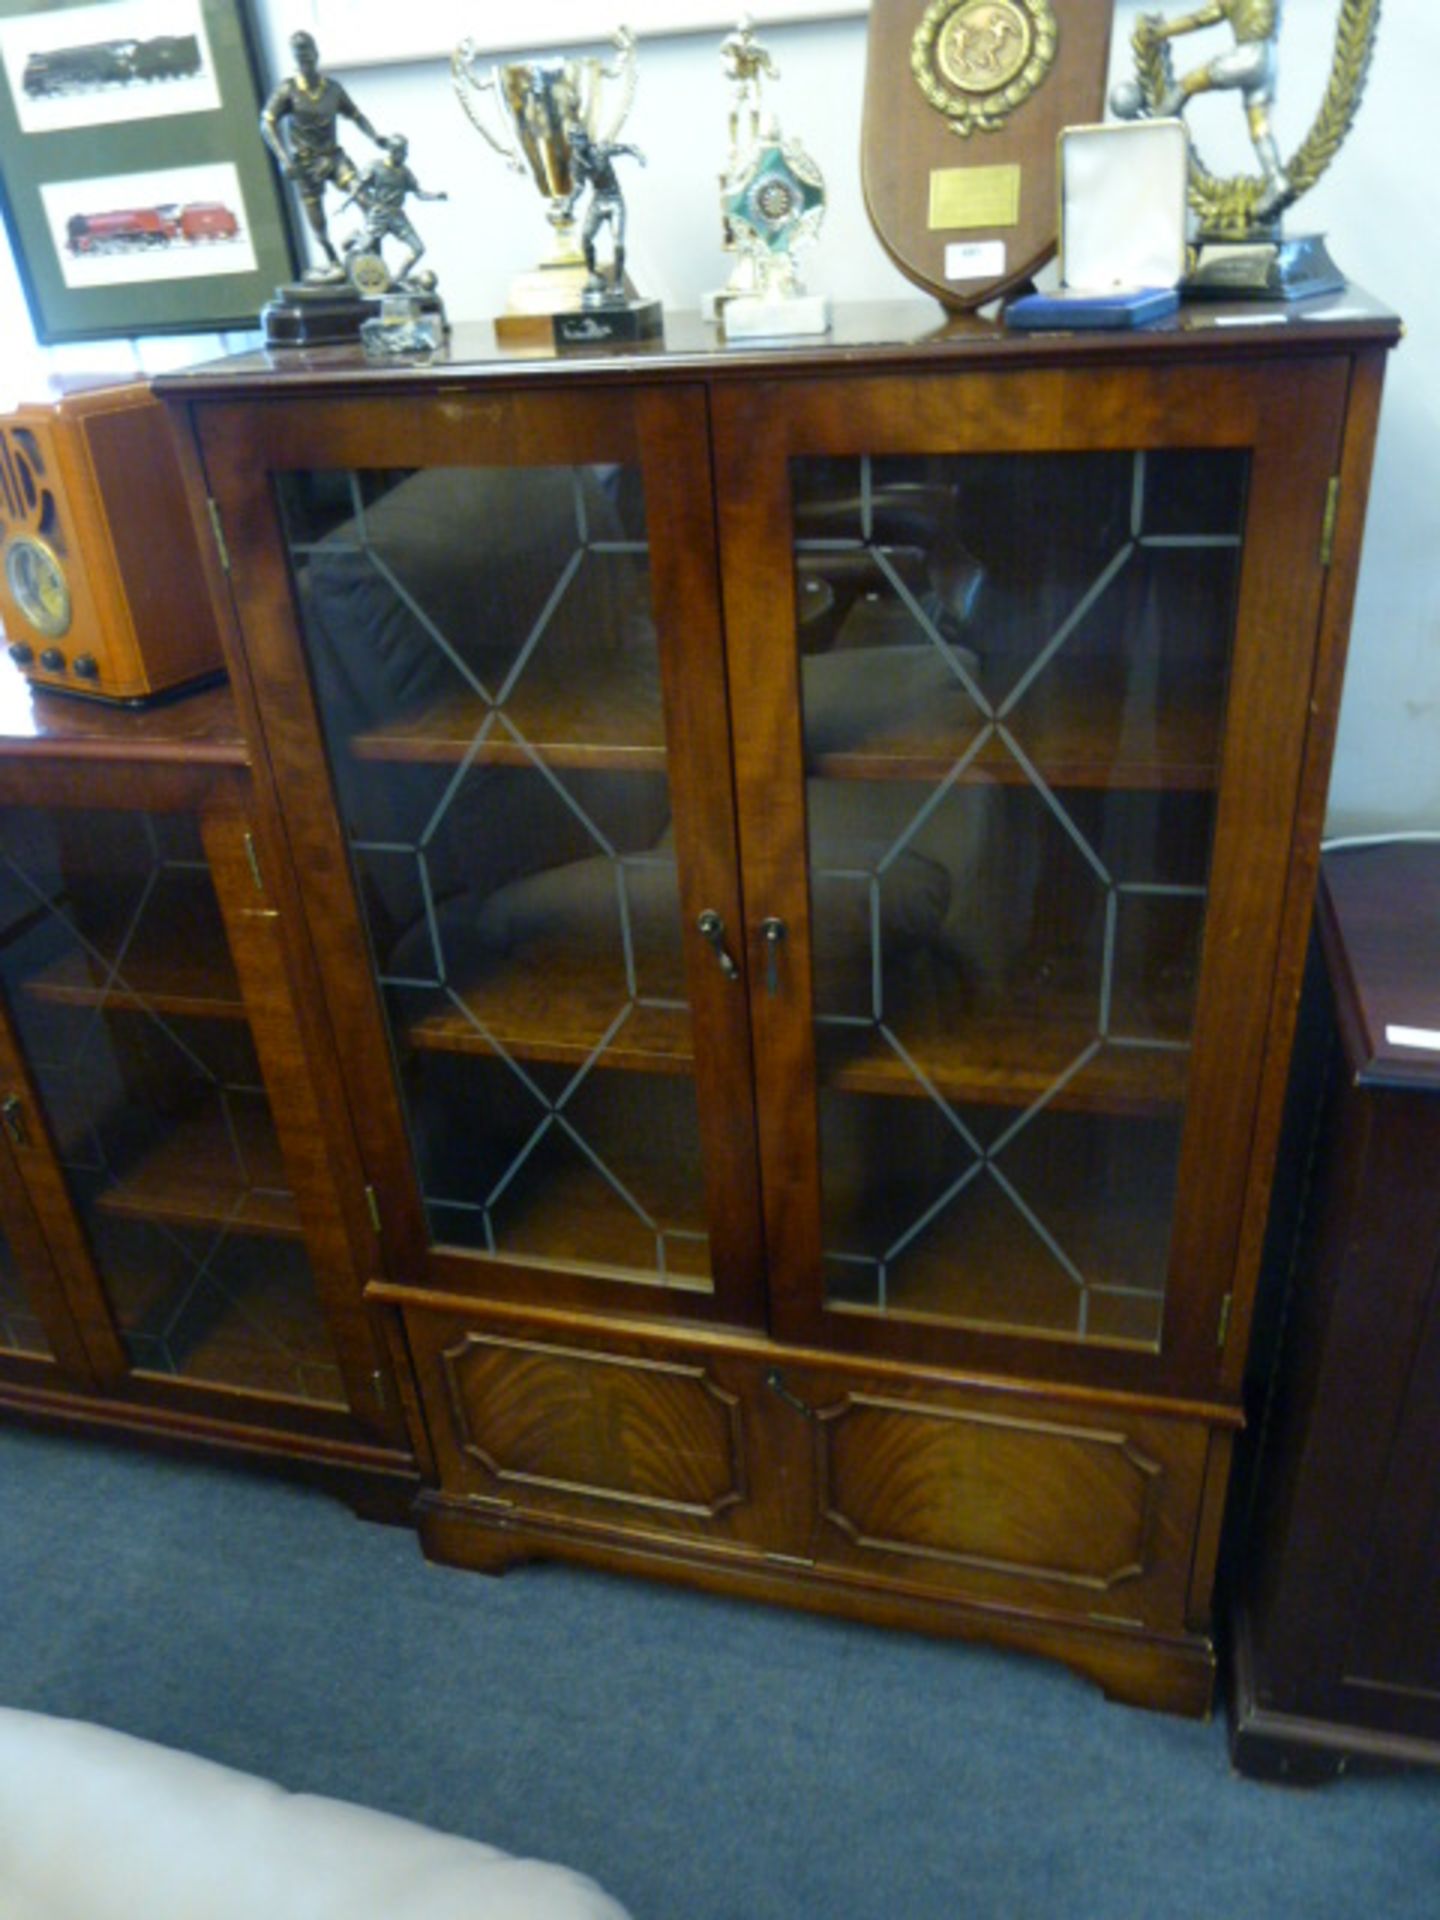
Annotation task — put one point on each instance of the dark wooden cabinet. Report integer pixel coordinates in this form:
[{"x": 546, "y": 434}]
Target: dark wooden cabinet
[
  {"x": 171, "y": 1202},
  {"x": 806, "y": 855},
  {"x": 1336, "y": 1617}
]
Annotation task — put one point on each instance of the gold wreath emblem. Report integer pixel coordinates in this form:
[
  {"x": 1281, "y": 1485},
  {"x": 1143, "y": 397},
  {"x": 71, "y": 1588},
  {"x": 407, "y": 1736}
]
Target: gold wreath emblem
[
  {"x": 976, "y": 61},
  {"x": 1229, "y": 207}
]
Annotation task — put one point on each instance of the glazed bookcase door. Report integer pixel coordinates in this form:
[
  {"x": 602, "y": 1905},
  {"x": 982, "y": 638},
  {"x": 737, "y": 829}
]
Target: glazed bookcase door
[
  {"x": 1038, "y": 675},
  {"x": 495, "y": 621},
  {"x": 40, "y": 1343},
  {"x": 138, "y": 1024}
]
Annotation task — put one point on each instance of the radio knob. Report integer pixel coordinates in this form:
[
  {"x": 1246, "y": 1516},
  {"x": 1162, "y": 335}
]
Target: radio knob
[
  {"x": 53, "y": 660},
  {"x": 86, "y": 666},
  {"x": 21, "y": 653}
]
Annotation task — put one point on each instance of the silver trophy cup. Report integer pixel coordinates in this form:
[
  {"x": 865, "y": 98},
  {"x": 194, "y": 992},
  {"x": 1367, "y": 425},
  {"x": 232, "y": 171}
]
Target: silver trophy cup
[{"x": 524, "y": 109}]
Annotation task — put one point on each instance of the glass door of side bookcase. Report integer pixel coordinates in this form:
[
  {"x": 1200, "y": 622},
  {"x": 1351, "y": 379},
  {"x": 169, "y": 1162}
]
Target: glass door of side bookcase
[
  {"x": 135, "y": 1102},
  {"x": 1023, "y": 817},
  {"x": 506, "y": 631},
  {"x": 40, "y": 1343}
]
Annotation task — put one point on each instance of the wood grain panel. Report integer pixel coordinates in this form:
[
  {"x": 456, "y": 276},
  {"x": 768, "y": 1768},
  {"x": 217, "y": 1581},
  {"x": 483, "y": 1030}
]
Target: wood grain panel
[
  {"x": 647, "y": 1433},
  {"x": 976, "y": 1490},
  {"x": 1024, "y": 1501}
]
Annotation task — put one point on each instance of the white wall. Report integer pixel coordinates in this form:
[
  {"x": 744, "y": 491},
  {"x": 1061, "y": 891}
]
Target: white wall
[{"x": 1376, "y": 204}]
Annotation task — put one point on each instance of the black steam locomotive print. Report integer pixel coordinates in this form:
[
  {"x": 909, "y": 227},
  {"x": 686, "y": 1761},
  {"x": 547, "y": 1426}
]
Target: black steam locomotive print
[{"x": 111, "y": 63}]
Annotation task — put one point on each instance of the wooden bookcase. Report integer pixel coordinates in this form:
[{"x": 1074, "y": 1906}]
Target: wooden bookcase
[
  {"x": 179, "y": 1259},
  {"x": 807, "y": 855}
]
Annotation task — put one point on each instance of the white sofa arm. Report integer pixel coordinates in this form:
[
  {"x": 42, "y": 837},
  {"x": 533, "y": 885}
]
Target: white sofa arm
[{"x": 96, "y": 1825}]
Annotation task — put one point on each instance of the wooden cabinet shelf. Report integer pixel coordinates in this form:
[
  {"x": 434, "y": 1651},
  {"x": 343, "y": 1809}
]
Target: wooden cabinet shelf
[
  {"x": 220, "y": 1167},
  {"x": 570, "y": 1215},
  {"x": 176, "y": 961},
  {"x": 1073, "y": 728},
  {"x": 606, "y": 715},
  {"x": 983, "y": 1264},
  {"x": 603, "y": 714},
  {"x": 1007, "y": 1060},
  {"x": 557, "y": 1005}
]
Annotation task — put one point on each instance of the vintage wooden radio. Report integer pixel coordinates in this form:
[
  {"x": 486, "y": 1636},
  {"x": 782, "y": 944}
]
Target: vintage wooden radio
[{"x": 101, "y": 586}]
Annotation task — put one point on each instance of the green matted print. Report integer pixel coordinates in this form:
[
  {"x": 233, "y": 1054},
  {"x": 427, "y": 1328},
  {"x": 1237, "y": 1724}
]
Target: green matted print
[{"x": 137, "y": 193}]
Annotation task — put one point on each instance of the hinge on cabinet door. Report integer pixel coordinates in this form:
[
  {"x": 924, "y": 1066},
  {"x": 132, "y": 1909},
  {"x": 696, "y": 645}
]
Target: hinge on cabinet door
[
  {"x": 253, "y": 859},
  {"x": 219, "y": 532},
  {"x": 1327, "y": 525},
  {"x": 374, "y": 1205},
  {"x": 1225, "y": 1305}
]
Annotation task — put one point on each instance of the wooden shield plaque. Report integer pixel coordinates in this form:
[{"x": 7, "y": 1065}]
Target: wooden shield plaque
[{"x": 964, "y": 100}]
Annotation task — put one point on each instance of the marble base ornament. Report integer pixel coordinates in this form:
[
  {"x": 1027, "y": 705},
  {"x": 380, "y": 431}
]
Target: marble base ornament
[{"x": 772, "y": 204}]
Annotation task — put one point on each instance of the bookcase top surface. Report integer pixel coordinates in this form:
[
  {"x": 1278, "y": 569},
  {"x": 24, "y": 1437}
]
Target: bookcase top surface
[{"x": 907, "y": 335}]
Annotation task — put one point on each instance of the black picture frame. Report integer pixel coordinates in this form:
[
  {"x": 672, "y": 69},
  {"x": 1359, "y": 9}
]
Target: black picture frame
[{"x": 136, "y": 191}]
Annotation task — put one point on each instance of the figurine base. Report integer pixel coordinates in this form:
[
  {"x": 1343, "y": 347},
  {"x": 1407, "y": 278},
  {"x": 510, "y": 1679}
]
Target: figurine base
[
  {"x": 315, "y": 313},
  {"x": 320, "y": 314},
  {"x": 1263, "y": 270},
  {"x": 536, "y": 299},
  {"x": 750, "y": 316},
  {"x": 626, "y": 324}
]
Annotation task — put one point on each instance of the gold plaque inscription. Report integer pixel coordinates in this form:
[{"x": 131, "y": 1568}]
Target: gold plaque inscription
[
  {"x": 976, "y": 61},
  {"x": 971, "y": 197}
]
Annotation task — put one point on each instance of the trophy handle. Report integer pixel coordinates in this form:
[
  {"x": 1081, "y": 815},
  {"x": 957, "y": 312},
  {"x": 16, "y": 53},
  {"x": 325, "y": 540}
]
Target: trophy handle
[
  {"x": 468, "y": 90},
  {"x": 623, "y": 40}
]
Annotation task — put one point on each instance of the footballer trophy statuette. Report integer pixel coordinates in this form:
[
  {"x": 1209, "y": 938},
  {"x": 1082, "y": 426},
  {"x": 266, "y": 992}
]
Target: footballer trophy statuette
[
  {"x": 300, "y": 125},
  {"x": 1242, "y": 250},
  {"x": 527, "y": 110},
  {"x": 610, "y": 312},
  {"x": 772, "y": 202}
]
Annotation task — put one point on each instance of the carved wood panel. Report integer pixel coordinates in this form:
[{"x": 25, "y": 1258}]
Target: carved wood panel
[
  {"x": 614, "y": 1432},
  {"x": 1029, "y": 1501}
]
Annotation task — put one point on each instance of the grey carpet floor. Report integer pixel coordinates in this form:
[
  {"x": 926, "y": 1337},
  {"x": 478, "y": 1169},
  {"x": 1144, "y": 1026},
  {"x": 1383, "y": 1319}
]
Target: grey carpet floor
[{"x": 703, "y": 1759}]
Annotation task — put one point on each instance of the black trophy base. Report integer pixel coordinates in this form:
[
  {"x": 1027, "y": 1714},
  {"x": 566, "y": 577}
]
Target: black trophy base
[
  {"x": 1264, "y": 270},
  {"x": 324, "y": 313},
  {"x": 315, "y": 313},
  {"x": 623, "y": 323}
]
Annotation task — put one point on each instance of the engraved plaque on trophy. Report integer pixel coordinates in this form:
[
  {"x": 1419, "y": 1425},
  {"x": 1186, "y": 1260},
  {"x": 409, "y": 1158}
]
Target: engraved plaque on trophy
[{"x": 964, "y": 101}]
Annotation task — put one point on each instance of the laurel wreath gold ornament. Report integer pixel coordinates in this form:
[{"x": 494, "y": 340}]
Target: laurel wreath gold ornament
[
  {"x": 1229, "y": 206},
  {"x": 1014, "y": 49}
]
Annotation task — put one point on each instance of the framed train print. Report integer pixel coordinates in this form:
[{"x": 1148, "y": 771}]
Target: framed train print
[{"x": 137, "y": 193}]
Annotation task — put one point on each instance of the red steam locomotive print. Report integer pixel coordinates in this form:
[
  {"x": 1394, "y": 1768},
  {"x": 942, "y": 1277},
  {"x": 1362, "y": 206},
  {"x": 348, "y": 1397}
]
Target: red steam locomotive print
[{"x": 137, "y": 229}]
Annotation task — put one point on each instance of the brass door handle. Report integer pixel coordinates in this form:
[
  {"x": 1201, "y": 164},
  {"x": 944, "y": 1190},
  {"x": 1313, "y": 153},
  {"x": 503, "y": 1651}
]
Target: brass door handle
[
  {"x": 772, "y": 931},
  {"x": 712, "y": 928}
]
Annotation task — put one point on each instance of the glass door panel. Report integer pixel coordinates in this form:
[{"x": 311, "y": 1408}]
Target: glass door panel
[
  {"x": 484, "y": 658},
  {"x": 21, "y": 1333},
  {"x": 123, "y": 998},
  {"x": 1014, "y": 673}
]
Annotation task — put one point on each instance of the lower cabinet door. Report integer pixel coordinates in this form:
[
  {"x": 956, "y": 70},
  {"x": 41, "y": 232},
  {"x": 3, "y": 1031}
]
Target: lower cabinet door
[
  {"x": 1003, "y": 1497},
  {"x": 598, "y": 1430},
  {"x": 851, "y": 1479}
]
